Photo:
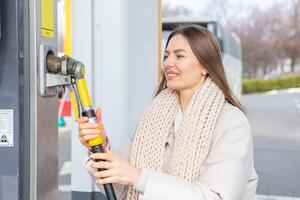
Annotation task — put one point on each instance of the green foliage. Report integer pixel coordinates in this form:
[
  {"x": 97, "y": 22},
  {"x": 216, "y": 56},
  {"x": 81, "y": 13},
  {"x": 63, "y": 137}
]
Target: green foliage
[{"x": 257, "y": 85}]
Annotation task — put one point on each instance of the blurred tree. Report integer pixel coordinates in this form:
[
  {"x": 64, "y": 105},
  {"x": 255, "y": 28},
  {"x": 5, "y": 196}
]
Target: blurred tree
[
  {"x": 220, "y": 9},
  {"x": 177, "y": 11},
  {"x": 269, "y": 38},
  {"x": 290, "y": 35},
  {"x": 258, "y": 32}
]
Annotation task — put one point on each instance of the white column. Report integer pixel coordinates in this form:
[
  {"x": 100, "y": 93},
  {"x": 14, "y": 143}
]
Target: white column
[{"x": 117, "y": 42}]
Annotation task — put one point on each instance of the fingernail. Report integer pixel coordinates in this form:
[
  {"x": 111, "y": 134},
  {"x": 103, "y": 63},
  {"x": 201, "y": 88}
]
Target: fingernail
[{"x": 92, "y": 156}]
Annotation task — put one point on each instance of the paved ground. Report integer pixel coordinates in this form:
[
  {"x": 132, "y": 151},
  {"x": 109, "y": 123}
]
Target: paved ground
[{"x": 275, "y": 120}]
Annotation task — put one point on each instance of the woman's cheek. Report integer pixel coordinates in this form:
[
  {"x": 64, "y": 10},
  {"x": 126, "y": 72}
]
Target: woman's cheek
[{"x": 175, "y": 84}]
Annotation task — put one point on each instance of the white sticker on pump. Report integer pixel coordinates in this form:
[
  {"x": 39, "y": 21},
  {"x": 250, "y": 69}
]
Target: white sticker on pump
[{"x": 6, "y": 128}]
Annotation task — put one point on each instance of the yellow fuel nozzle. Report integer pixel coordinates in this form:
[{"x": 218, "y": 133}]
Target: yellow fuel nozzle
[
  {"x": 69, "y": 66},
  {"x": 83, "y": 93},
  {"x": 87, "y": 108}
]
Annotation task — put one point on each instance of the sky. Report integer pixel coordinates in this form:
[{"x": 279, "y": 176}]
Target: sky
[{"x": 197, "y": 6}]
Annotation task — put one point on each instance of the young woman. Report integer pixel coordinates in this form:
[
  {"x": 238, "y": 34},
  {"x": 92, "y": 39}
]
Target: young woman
[{"x": 194, "y": 141}]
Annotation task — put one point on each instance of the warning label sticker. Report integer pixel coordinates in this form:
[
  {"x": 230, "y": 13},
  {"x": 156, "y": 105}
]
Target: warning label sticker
[{"x": 6, "y": 128}]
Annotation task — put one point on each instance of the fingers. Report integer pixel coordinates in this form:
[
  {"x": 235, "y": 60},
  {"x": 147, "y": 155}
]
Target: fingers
[
  {"x": 87, "y": 125},
  {"x": 88, "y": 131},
  {"x": 114, "y": 170},
  {"x": 107, "y": 180},
  {"x": 99, "y": 119},
  {"x": 103, "y": 156},
  {"x": 84, "y": 132},
  {"x": 98, "y": 114},
  {"x": 107, "y": 149},
  {"x": 104, "y": 173},
  {"x": 90, "y": 137},
  {"x": 83, "y": 120},
  {"x": 88, "y": 134},
  {"x": 102, "y": 165}
]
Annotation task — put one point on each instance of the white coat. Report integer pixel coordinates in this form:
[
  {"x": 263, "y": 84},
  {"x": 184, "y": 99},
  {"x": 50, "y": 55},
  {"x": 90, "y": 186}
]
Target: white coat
[{"x": 227, "y": 174}]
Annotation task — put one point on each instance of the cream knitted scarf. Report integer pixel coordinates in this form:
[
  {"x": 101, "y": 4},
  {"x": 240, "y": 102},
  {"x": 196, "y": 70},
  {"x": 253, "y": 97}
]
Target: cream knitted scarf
[{"x": 193, "y": 138}]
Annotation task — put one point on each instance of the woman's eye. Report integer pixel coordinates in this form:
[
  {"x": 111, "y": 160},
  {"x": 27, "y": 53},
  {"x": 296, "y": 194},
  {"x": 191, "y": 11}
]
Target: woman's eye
[
  {"x": 165, "y": 57},
  {"x": 179, "y": 56}
]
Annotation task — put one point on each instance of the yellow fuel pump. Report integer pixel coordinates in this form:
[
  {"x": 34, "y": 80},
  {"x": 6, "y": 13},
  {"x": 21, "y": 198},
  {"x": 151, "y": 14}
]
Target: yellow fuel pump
[{"x": 80, "y": 99}]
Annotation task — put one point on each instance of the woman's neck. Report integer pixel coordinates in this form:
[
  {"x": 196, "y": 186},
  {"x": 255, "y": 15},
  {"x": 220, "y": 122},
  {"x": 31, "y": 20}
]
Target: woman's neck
[{"x": 186, "y": 95}]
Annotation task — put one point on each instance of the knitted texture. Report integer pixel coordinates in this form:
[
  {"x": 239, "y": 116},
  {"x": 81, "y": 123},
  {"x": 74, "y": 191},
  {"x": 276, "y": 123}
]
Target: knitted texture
[{"x": 192, "y": 140}]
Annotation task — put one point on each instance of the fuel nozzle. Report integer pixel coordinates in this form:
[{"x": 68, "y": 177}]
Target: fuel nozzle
[
  {"x": 72, "y": 68},
  {"x": 79, "y": 93},
  {"x": 65, "y": 65}
]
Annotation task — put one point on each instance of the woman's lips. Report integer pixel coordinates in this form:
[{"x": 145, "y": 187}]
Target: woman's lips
[{"x": 171, "y": 76}]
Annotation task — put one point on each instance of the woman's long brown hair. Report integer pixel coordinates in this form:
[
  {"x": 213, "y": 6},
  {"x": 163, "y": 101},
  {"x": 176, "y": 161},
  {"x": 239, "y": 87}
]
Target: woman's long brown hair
[{"x": 206, "y": 49}]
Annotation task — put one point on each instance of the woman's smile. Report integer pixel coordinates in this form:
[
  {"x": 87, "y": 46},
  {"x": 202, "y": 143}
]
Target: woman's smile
[{"x": 170, "y": 75}]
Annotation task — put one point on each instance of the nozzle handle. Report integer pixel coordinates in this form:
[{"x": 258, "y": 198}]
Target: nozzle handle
[
  {"x": 97, "y": 147},
  {"x": 108, "y": 188}
]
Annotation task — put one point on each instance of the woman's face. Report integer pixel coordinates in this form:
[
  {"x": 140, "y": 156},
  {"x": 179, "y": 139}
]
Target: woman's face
[{"x": 181, "y": 67}]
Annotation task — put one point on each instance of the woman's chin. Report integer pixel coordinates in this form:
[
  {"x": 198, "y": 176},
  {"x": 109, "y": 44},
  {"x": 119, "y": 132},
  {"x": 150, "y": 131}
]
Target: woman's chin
[{"x": 173, "y": 86}]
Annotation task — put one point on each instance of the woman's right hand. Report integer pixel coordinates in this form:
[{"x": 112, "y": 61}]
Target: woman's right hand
[{"x": 88, "y": 131}]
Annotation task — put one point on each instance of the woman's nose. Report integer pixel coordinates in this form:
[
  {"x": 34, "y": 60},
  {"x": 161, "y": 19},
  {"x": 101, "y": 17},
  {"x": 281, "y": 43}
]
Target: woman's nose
[{"x": 168, "y": 62}]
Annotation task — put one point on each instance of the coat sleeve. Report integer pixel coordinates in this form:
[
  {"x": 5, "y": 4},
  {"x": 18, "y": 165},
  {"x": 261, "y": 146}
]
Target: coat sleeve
[{"x": 224, "y": 175}]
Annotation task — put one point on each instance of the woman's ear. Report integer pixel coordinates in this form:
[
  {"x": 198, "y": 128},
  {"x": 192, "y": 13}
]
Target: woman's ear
[{"x": 204, "y": 72}]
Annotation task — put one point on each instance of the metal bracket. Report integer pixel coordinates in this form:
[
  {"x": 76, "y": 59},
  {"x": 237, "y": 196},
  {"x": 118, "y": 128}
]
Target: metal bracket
[
  {"x": 44, "y": 90},
  {"x": 57, "y": 80},
  {"x": 49, "y": 81}
]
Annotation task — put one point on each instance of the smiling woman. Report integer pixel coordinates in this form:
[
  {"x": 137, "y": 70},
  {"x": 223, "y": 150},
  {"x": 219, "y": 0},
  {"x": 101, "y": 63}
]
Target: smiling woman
[
  {"x": 193, "y": 142},
  {"x": 181, "y": 68},
  {"x": 195, "y": 52}
]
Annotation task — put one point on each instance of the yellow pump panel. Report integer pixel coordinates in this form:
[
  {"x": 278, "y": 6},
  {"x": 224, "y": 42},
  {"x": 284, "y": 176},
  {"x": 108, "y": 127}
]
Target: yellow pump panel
[{"x": 47, "y": 21}]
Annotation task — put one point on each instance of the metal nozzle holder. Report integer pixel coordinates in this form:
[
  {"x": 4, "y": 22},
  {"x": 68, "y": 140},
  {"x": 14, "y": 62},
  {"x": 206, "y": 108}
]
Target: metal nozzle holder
[
  {"x": 65, "y": 65},
  {"x": 56, "y": 71}
]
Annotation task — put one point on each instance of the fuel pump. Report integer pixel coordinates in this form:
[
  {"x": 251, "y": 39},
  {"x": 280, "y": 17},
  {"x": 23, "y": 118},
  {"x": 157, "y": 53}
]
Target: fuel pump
[{"x": 74, "y": 71}]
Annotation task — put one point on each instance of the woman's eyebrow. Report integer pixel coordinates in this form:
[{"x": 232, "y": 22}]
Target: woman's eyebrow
[{"x": 176, "y": 51}]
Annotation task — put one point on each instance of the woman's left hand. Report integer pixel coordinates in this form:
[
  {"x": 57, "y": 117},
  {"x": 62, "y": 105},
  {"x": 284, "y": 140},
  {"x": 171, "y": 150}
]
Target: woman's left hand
[{"x": 117, "y": 170}]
